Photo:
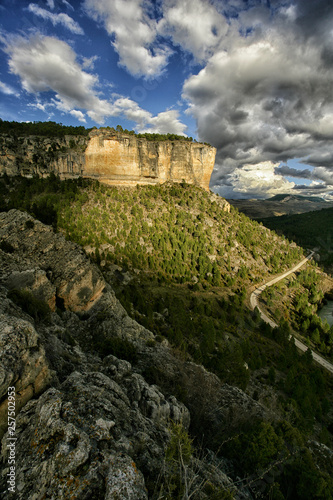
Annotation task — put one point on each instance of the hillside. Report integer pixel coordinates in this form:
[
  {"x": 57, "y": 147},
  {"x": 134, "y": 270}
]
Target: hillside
[
  {"x": 281, "y": 204},
  {"x": 309, "y": 230},
  {"x": 253, "y": 417}
]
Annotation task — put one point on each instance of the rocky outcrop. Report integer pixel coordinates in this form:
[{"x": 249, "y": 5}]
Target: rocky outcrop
[
  {"x": 128, "y": 160},
  {"x": 46, "y": 264},
  {"x": 110, "y": 157},
  {"x": 90, "y": 423},
  {"x": 90, "y": 438},
  {"x": 23, "y": 364}
]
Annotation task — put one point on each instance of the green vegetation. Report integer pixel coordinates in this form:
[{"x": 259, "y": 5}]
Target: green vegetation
[
  {"x": 45, "y": 129},
  {"x": 36, "y": 308},
  {"x": 121, "y": 348},
  {"x": 177, "y": 459},
  {"x": 311, "y": 229},
  {"x": 182, "y": 265},
  {"x": 298, "y": 298},
  {"x": 173, "y": 232},
  {"x": 176, "y": 233},
  {"x": 53, "y": 129},
  {"x": 42, "y": 198},
  {"x": 150, "y": 136},
  {"x": 180, "y": 478}
]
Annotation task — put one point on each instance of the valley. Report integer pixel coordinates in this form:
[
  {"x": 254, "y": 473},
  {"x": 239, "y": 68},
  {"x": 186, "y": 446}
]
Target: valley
[
  {"x": 279, "y": 205},
  {"x": 177, "y": 264}
]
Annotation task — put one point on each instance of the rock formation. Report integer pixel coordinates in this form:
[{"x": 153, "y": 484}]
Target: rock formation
[
  {"x": 88, "y": 423},
  {"x": 112, "y": 158},
  {"x": 46, "y": 264}
]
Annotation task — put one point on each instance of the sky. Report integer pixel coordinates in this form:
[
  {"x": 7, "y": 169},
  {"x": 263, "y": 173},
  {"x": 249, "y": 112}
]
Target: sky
[{"x": 254, "y": 78}]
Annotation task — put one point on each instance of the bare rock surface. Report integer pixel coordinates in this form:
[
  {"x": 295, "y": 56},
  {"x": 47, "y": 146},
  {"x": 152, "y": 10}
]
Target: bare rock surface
[
  {"x": 23, "y": 364},
  {"x": 113, "y": 158},
  {"x": 88, "y": 439},
  {"x": 78, "y": 284}
]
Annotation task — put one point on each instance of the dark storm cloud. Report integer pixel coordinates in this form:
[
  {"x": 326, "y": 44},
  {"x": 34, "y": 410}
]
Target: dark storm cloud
[
  {"x": 267, "y": 96},
  {"x": 314, "y": 17},
  {"x": 318, "y": 188},
  {"x": 294, "y": 172}
]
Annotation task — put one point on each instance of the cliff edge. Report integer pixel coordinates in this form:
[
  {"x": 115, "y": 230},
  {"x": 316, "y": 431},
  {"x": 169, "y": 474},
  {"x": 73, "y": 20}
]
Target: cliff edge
[{"x": 110, "y": 157}]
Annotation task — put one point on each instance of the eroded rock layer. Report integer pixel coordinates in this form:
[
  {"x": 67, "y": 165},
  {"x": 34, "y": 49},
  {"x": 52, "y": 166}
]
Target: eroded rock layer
[
  {"x": 47, "y": 265},
  {"x": 110, "y": 157}
]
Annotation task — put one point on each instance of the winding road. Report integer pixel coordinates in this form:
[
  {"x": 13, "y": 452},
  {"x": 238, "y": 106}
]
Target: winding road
[{"x": 254, "y": 302}]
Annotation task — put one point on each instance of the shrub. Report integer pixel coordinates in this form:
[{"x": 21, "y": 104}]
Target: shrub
[
  {"x": 6, "y": 246},
  {"x": 36, "y": 308},
  {"x": 121, "y": 348},
  {"x": 29, "y": 224}
]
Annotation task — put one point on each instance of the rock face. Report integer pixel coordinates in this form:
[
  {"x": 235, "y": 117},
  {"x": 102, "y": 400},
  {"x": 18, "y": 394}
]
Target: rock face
[
  {"x": 46, "y": 264},
  {"x": 22, "y": 361},
  {"x": 128, "y": 160},
  {"x": 110, "y": 157}
]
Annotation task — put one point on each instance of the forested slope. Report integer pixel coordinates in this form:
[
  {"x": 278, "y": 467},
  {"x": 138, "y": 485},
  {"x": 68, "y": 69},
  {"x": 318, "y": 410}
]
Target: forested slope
[{"x": 181, "y": 264}]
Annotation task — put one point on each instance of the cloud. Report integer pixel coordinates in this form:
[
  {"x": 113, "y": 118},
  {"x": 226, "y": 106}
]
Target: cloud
[
  {"x": 89, "y": 62},
  {"x": 38, "y": 105},
  {"x": 320, "y": 174},
  {"x": 260, "y": 180},
  {"x": 68, "y": 5},
  {"x": 8, "y": 90},
  {"x": 195, "y": 25},
  {"x": 294, "y": 172},
  {"x": 133, "y": 33},
  {"x": 47, "y": 64},
  {"x": 55, "y": 19},
  {"x": 164, "y": 122},
  {"x": 265, "y": 93},
  {"x": 79, "y": 115},
  {"x": 315, "y": 189}
]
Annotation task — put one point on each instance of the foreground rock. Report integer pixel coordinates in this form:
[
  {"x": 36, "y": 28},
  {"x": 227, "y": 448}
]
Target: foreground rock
[
  {"x": 42, "y": 259},
  {"x": 22, "y": 361},
  {"x": 90, "y": 423},
  {"x": 93, "y": 436}
]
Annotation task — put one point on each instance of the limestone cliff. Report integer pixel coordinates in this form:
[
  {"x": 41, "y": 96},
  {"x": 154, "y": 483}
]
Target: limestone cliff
[{"x": 110, "y": 157}]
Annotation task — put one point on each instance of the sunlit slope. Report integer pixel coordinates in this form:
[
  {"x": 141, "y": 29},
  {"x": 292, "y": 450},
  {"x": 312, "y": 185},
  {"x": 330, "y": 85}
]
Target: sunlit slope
[{"x": 178, "y": 232}]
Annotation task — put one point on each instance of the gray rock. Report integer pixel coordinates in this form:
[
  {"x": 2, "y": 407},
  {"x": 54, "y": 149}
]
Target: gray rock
[
  {"x": 124, "y": 481},
  {"x": 78, "y": 283},
  {"x": 23, "y": 364}
]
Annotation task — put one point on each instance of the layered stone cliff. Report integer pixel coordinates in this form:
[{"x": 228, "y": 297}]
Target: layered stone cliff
[{"x": 112, "y": 158}]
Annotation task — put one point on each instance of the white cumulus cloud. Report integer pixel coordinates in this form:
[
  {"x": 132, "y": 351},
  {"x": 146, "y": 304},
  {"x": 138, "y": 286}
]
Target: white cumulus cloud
[
  {"x": 79, "y": 115},
  {"x": 195, "y": 25},
  {"x": 55, "y": 19},
  {"x": 8, "y": 90},
  {"x": 134, "y": 33},
  {"x": 260, "y": 180},
  {"x": 49, "y": 65}
]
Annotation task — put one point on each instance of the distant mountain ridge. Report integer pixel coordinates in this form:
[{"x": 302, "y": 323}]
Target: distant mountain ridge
[
  {"x": 296, "y": 197},
  {"x": 280, "y": 204}
]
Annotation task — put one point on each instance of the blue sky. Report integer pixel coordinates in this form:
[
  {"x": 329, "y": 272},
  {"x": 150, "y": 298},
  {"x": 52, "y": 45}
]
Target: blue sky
[{"x": 251, "y": 77}]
